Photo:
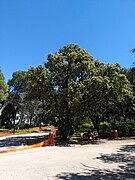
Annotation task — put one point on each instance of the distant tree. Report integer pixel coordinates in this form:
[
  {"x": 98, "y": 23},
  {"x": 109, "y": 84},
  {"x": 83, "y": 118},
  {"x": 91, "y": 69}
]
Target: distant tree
[
  {"x": 130, "y": 72},
  {"x": 27, "y": 109},
  {"x": 132, "y": 50},
  {"x": 17, "y": 90},
  {"x": 3, "y": 88},
  {"x": 39, "y": 90},
  {"x": 17, "y": 86},
  {"x": 17, "y": 83},
  {"x": 131, "y": 77}
]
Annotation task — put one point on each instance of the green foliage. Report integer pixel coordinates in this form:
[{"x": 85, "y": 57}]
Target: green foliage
[
  {"x": 131, "y": 77},
  {"x": 132, "y": 50},
  {"x": 76, "y": 89},
  {"x": 37, "y": 83},
  {"x": 3, "y": 88},
  {"x": 18, "y": 82},
  {"x": 39, "y": 93},
  {"x": 68, "y": 68},
  {"x": 125, "y": 128},
  {"x": 105, "y": 130},
  {"x": 86, "y": 126},
  {"x": 130, "y": 74},
  {"x": 104, "y": 91},
  {"x": 24, "y": 126},
  {"x": 85, "y": 87},
  {"x": 17, "y": 88}
]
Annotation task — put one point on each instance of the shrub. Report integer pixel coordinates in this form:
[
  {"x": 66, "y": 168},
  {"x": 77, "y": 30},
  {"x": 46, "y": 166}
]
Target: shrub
[
  {"x": 105, "y": 130},
  {"x": 24, "y": 126},
  {"x": 125, "y": 128},
  {"x": 86, "y": 126}
]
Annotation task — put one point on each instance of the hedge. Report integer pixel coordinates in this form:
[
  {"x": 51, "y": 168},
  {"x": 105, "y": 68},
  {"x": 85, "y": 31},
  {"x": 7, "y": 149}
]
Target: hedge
[{"x": 124, "y": 128}]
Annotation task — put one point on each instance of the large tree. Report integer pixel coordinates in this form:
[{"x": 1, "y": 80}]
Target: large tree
[
  {"x": 17, "y": 87},
  {"x": 68, "y": 68},
  {"x": 84, "y": 87}
]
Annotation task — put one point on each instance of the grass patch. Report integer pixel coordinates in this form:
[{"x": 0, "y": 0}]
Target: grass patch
[
  {"x": 26, "y": 131},
  {"x": 5, "y": 132}
]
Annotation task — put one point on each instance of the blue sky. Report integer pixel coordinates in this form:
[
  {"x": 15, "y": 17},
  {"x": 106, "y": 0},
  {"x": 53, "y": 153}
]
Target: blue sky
[{"x": 31, "y": 29}]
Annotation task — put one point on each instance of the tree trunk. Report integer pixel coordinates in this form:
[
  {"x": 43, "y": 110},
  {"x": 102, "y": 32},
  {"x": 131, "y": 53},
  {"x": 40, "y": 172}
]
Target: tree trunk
[
  {"x": 30, "y": 120},
  {"x": 66, "y": 131},
  {"x": 96, "y": 124},
  {"x": 66, "y": 122}
]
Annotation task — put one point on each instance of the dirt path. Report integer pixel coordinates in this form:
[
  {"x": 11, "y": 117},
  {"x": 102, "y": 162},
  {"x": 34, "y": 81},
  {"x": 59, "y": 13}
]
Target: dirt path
[{"x": 106, "y": 160}]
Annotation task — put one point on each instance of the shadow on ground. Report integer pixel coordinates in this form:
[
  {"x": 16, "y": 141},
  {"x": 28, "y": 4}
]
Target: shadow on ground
[
  {"x": 74, "y": 141},
  {"x": 29, "y": 140},
  {"x": 128, "y": 148},
  {"x": 125, "y": 171},
  {"x": 21, "y": 140}
]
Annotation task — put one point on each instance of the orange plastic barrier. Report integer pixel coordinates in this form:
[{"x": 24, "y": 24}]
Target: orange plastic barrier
[
  {"x": 49, "y": 141},
  {"x": 6, "y": 132}
]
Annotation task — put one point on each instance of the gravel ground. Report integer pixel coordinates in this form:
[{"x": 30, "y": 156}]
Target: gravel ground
[{"x": 104, "y": 160}]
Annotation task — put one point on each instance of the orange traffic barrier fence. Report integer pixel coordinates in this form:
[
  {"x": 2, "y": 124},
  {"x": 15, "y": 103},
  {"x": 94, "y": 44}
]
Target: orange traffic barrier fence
[
  {"x": 5, "y": 132},
  {"x": 49, "y": 141}
]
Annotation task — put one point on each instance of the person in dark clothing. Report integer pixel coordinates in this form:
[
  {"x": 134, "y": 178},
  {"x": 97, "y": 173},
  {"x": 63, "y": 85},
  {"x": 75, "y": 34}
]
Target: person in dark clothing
[{"x": 90, "y": 134}]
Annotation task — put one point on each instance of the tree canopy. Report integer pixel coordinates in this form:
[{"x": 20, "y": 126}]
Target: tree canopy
[
  {"x": 3, "y": 88},
  {"x": 68, "y": 68},
  {"x": 72, "y": 88},
  {"x": 84, "y": 85},
  {"x": 17, "y": 83}
]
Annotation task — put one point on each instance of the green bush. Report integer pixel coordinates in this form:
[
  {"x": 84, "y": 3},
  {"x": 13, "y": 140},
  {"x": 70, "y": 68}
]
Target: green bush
[
  {"x": 125, "y": 128},
  {"x": 24, "y": 126},
  {"x": 86, "y": 126},
  {"x": 105, "y": 130}
]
